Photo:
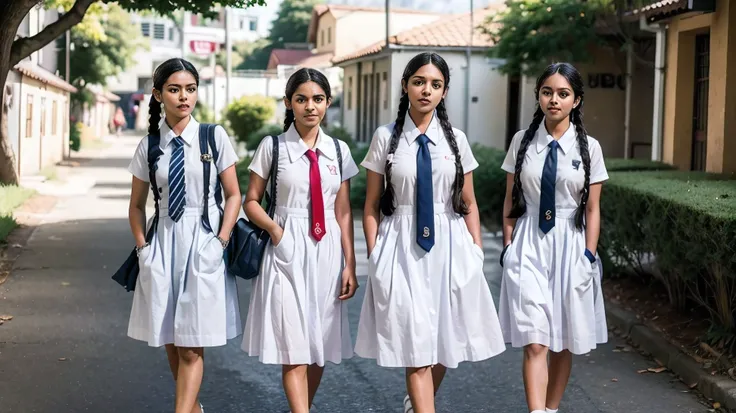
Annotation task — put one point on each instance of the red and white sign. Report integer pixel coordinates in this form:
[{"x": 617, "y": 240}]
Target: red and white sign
[{"x": 202, "y": 47}]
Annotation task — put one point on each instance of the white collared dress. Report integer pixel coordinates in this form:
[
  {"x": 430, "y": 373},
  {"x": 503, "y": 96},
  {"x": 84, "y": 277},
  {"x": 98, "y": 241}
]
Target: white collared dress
[
  {"x": 550, "y": 292},
  {"x": 425, "y": 308},
  {"x": 183, "y": 295},
  {"x": 295, "y": 316}
]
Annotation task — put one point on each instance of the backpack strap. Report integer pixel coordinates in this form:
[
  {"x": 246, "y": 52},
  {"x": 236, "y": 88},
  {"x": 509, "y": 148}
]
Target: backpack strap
[
  {"x": 215, "y": 157},
  {"x": 273, "y": 176},
  {"x": 154, "y": 152},
  {"x": 204, "y": 132},
  {"x": 338, "y": 151}
]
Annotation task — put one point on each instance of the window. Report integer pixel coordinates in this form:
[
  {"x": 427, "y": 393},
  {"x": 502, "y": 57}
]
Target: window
[
  {"x": 253, "y": 25},
  {"x": 322, "y": 38},
  {"x": 158, "y": 31},
  {"x": 146, "y": 29},
  {"x": 329, "y": 35},
  {"x": 171, "y": 34},
  {"x": 385, "y": 90},
  {"x": 54, "y": 117},
  {"x": 43, "y": 117},
  {"x": 29, "y": 116},
  {"x": 350, "y": 93},
  {"x": 242, "y": 24}
]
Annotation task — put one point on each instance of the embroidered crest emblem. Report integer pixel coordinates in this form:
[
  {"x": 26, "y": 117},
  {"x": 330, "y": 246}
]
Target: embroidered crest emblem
[
  {"x": 548, "y": 215},
  {"x": 333, "y": 169},
  {"x": 317, "y": 229},
  {"x": 576, "y": 164},
  {"x": 425, "y": 234},
  {"x": 206, "y": 157}
]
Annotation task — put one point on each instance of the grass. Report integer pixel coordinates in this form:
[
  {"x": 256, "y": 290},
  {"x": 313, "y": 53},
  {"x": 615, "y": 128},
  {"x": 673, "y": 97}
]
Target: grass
[{"x": 11, "y": 197}]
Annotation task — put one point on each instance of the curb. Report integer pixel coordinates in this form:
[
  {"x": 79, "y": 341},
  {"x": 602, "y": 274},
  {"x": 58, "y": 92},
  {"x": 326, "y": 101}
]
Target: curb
[{"x": 718, "y": 388}]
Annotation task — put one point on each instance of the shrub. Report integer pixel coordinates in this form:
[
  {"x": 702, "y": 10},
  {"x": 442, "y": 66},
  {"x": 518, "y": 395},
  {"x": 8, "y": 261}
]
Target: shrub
[
  {"x": 256, "y": 137},
  {"x": 75, "y": 135},
  {"x": 620, "y": 164},
  {"x": 489, "y": 181},
  {"x": 342, "y": 134},
  {"x": 203, "y": 113},
  {"x": 10, "y": 198},
  {"x": 248, "y": 114}
]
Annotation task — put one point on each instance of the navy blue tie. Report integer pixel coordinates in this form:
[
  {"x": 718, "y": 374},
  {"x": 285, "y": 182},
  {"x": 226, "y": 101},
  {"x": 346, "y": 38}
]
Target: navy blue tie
[
  {"x": 425, "y": 195},
  {"x": 547, "y": 197},
  {"x": 177, "y": 193}
]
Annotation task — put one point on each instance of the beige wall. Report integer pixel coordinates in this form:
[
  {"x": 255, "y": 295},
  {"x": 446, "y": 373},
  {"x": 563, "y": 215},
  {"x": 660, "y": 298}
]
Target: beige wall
[{"x": 327, "y": 23}]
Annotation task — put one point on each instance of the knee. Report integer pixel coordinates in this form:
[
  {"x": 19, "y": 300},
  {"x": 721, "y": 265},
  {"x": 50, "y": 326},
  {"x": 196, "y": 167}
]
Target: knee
[
  {"x": 418, "y": 371},
  {"x": 535, "y": 351},
  {"x": 189, "y": 355}
]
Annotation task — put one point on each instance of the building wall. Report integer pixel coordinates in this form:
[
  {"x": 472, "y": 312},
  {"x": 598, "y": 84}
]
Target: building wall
[
  {"x": 350, "y": 99},
  {"x": 326, "y": 40}
]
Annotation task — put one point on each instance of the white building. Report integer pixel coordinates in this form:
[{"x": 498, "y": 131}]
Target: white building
[{"x": 476, "y": 104}]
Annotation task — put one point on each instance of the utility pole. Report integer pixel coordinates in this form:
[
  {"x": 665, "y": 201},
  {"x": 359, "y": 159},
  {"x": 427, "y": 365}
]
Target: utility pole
[
  {"x": 228, "y": 54},
  {"x": 468, "y": 59},
  {"x": 388, "y": 22}
]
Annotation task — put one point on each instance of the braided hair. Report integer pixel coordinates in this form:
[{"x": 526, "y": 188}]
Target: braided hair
[
  {"x": 387, "y": 198},
  {"x": 297, "y": 79},
  {"x": 162, "y": 73},
  {"x": 573, "y": 77}
]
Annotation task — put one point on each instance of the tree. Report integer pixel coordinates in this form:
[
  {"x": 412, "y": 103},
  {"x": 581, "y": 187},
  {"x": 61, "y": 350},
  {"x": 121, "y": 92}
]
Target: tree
[
  {"x": 12, "y": 50},
  {"x": 529, "y": 34},
  {"x": 248, "y": 114},
  {"x": 291, "y": 26}
]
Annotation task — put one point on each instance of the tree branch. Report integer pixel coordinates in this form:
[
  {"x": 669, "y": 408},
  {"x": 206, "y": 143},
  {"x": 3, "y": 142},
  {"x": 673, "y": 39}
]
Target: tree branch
[{"x": 23, "y": 47}]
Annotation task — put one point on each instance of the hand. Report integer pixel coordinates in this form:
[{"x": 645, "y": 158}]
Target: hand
[
  {"x": 349, "y": 284},
  {"x": 503, "y": 253},
  {"x": 276, "y": 235},
  {"x": 590, "y": 256}
]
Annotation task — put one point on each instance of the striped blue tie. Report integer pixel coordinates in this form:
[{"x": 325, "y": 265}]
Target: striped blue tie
[{"x": 177, "y": 193}]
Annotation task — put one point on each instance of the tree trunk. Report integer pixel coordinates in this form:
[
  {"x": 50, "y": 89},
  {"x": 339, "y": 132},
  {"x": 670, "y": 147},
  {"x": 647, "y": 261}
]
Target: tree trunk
[{"x": 12, "y": 13}]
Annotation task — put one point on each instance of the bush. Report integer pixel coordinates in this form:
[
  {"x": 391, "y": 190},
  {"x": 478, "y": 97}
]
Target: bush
[
  {"x": 241, "y": 169},
  {"x": 684, "y": 224},
  {"x": 75, "y": 135},
  {"x": 342, "y": 134},
  {"x": 11, "y": 197},
  {"x": 358, "y": 183},
  {"x": 203, "y": 113},
  {"x": 489, "y": 181},
  {"x": 248, "y": 114},
  {"x": 620, "y": 164},
  {"x": 256, "y": 137}
]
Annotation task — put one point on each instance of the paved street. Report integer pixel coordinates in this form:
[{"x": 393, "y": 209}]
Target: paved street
[{"x": 65, "y": 351}]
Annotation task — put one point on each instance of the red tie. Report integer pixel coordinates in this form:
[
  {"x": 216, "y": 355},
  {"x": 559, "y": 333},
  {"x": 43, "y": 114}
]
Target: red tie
[{"x": 315, "y": 190}]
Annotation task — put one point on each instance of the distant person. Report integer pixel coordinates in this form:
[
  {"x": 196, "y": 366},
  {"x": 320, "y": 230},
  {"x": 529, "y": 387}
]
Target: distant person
[
  {"x": 118, "y": 120},
  {"x": 184, "y": 299},
  {"x": 298, "y": 315},
  {"x": 427, "y": 303},
  {"x": 551, "y": 299}
]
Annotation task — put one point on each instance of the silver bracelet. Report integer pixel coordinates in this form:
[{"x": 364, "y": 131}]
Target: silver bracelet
[{"x": 139, "y": 249}]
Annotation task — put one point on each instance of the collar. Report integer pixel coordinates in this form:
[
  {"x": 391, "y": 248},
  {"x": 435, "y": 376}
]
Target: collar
[
  {"x": 296, "y": 147},
  {"x": 411, "y": 131},
  {"x": 188, "y": 134},
  {"x": 566, "y": 141}
]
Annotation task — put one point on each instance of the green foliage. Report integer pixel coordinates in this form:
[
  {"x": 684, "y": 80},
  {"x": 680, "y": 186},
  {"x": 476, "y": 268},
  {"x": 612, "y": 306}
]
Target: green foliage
[
  {"x": 75, "y": 135},
  {"x": 621, "y": 164},
  {"x": 677, "y": 228},
  {"x": 530, "y": 34},
  {"x": 241, "y": 169},
  {"x": 10, "y": 198},
  {"x": 205, "y": 7},
  {"x": 203, "y": 113},
  {"x": 341, "y": 133},
  {"x": 248, "y": 114},
  {"x": 358, "y": 183},
  {"x": 489, "y": 181},
  {"x": 255, "y": 138}
]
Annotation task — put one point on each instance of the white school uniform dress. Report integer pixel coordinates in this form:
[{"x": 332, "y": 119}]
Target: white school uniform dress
[
  {"x": 295, "y": 316},
  {"x": 425, "y": 308},
  {"x": 183, "y": 295},
  {"x": 550, "y": 292}
]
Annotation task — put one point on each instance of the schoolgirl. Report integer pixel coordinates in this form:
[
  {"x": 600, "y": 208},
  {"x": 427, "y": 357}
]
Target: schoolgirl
[
  {"x": 184, "y": 299},
  {"x": 298, "y": 315},
  {"x": 551, "y": 302},
  {"x": 427, "y": 304}
]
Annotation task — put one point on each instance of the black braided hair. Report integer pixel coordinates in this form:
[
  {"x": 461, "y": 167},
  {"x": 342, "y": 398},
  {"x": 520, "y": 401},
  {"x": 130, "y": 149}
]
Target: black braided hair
[
  {"x": 387, "y": 198},
  {"x": 571, "y": 74},
  {"x": 162, "y": 74},
  {"x": 458, "y": 204},
  {"x": 297, "y": 79}
]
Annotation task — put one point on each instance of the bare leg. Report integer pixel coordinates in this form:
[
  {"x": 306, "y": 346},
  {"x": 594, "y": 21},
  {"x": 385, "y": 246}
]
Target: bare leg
[
  {"x": 314, "y": 377},
  {"x": 560, "y": 365},
  {"x": 172, "y": 353},
  {"x": 296, "y": 387},
  {"x": 419, "y": 384},
  {"x": 189, "y": 379},
  {"x": 535, "y": 376},
  {"x": 438, "y": 374}
]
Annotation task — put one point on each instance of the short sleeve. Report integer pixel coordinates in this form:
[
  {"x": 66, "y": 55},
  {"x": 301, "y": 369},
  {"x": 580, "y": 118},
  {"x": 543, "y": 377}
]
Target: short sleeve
[
  {"x": 349, "y": 168},
  {"x": 261, "y": 163},
  {"x": 509, "y": 163},
  {"x": 467, "y": 159},
  {"x": 598, "y": 172},
  {"x": 227, "y": 156},
  {"x": 375, "y": 159},
  {"x": 139, "y": 164}
]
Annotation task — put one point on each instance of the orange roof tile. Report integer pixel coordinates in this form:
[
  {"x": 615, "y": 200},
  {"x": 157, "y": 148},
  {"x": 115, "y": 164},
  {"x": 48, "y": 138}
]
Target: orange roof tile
[
  {"x": 317, "y": 61},
  {"x": 451, "y": 32},
  {"x": 288, "y": 57},
  {"x": 34, "y": 71}
]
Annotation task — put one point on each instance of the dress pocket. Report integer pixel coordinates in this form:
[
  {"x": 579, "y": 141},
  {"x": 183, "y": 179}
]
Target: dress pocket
[
  {"x": 284, "y": 250},
  {"x": 211, "y": 256},
  {"x": 585, "y": 272}
]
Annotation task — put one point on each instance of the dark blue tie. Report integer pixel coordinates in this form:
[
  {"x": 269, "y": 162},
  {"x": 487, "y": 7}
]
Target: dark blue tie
[
  {"x": 177, "y": 193},
  {"x": 547, "y": 197},
  {"x": 425, "y": 195}
]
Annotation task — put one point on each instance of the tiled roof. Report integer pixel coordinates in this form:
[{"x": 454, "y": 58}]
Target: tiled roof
[
  {"x": 288, "y": 57},
  {"x": 666, "y": 7},
  {"x": 317, "y": 61},
  {"x": 451, "y": 32},
  {"x": 34, "y": 71}
]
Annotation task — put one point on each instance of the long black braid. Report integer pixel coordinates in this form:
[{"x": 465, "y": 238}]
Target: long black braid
[
  {"x": 576, "y": 117},
  {"x": 387, "y": 198},
  {"x": 518, "y": 207},
  {"x": 458, "y": 204}
]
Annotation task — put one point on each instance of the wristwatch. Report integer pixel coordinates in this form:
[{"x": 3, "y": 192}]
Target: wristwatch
[
  {"x": 223, "y": 242},
  {"x": 139, "y": 249}
]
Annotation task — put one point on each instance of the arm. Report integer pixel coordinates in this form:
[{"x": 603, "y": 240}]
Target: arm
[
  {"x": 593, "y": 218},
  {"x": 137, "y": 210},
  {"x": 472, "y": 219},
  {"x": 229, "y": 181},
  {"x": 508, "y": 223},
  {"x": 344, "y": 214},
  {"x": 371, "y": 216},
  {"x": 254, "y": 211}
]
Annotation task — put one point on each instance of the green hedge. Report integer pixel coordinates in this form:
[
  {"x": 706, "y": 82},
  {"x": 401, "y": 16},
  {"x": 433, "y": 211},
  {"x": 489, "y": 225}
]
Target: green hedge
[{"x": 11, "y": 197}]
